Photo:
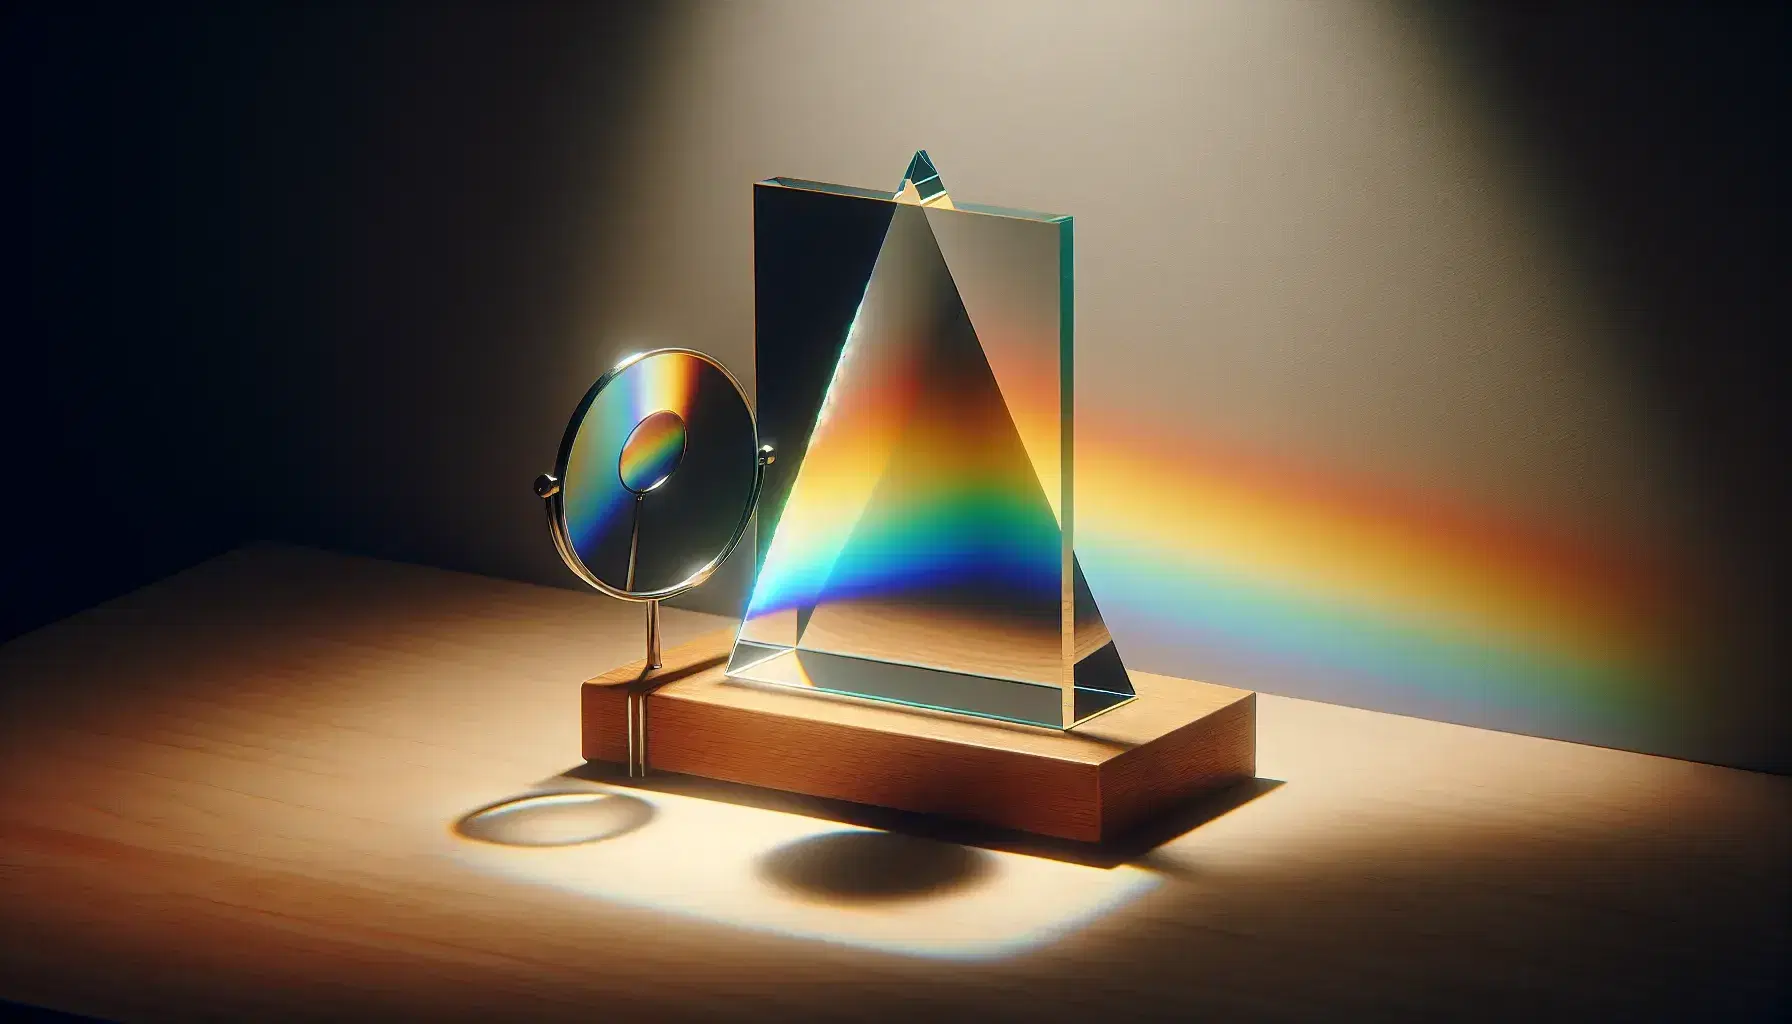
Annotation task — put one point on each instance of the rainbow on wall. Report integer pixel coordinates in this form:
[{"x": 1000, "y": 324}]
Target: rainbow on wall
[{"x": 1254, "y": 571}]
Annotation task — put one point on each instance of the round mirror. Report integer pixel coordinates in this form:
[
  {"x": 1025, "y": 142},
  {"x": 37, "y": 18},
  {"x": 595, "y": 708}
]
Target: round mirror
[{"x": 656, "y": 476}]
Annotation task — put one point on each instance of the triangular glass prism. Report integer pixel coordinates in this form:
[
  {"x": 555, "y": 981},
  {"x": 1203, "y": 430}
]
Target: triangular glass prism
[
  {"x": 956, "y": 530},
  {"x": 921, "y": 184},
  {"x": 923, "y": 552}
]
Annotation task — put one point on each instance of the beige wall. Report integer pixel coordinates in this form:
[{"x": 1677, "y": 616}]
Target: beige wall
[
  {"x": 1312, "y": 245},
  {"x": 1293, "y": 225}
]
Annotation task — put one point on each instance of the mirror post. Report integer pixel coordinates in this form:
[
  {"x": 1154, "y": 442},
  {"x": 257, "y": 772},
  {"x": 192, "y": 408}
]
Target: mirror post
[{"x": 653, "y": 636}]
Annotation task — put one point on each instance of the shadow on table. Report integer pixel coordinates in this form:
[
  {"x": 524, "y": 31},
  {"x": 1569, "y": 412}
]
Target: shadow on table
[
  {"x": 863, "y": 868},
  {"x": 555, "y": 818}
]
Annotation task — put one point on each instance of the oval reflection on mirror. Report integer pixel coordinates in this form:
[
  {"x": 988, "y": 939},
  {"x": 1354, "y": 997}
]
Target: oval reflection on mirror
[{"x": 652, "y": 452}]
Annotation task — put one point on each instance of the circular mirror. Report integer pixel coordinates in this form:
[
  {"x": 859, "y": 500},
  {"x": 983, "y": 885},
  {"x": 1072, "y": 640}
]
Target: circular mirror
[{"x": 656, "y": 476}]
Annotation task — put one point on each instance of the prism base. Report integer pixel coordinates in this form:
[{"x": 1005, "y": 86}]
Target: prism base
[
  {"x": 1088, "y": 783},
  {"x": 933, "y": 689}
]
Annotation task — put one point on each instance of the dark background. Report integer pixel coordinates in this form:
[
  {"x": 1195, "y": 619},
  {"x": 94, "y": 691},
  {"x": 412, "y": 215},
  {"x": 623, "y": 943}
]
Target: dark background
[
  {"x": 227, "y": 244},
  {"x": 255, "y": 240}
]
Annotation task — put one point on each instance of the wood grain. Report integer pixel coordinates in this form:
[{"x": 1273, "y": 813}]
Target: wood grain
[
  {"x": 1178, "y": 739},
  {"x": 232, "y": 796}
]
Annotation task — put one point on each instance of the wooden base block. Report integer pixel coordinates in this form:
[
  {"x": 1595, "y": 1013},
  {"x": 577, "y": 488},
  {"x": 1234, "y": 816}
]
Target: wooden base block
[{"x": 1089, "y": 783}]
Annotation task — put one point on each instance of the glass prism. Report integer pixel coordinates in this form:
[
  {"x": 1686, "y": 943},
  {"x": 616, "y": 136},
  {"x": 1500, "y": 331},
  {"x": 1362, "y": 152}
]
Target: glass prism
[{"x": 916, "y": 532}]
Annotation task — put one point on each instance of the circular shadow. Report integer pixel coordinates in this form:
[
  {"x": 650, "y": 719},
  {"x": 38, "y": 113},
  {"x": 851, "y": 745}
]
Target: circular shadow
[
  {"x": 556, "y": 819},
  {"x": 872, "y": 867}
]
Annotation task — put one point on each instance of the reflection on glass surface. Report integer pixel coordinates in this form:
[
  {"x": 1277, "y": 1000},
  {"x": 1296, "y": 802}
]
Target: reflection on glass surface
[
  {"x": 658, "y": 471},
  {"x": 914, "y": 367}
]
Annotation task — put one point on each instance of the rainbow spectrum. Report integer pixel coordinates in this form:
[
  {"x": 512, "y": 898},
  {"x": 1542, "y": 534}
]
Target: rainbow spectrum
[
  {"x": 1257, "y": 570},
  {"x": 597, "y": 501},
  {"x": 916, "y": 371}
]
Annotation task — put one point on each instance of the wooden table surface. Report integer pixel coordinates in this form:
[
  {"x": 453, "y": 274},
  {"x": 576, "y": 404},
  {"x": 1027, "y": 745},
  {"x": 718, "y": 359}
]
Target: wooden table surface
[{"x": 243, "y": 794}]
